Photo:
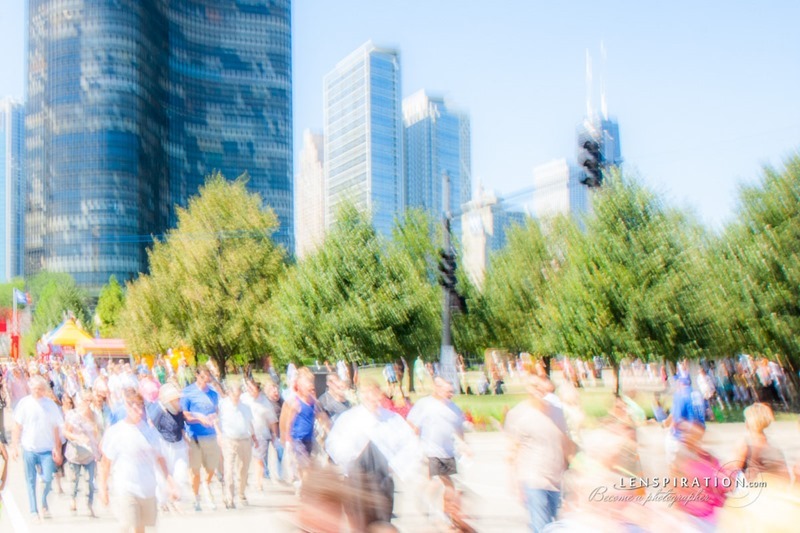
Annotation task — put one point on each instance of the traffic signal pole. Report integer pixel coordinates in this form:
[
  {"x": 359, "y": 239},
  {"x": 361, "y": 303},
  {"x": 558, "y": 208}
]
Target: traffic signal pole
[{"x": 447, "y": 356}]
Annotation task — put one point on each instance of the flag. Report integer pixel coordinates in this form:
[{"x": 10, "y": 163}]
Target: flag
[{"x": 20, "y": 297}]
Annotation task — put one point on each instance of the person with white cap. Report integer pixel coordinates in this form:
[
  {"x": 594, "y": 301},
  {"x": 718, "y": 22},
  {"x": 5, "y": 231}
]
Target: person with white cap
[{"x": 167, "y": 418}]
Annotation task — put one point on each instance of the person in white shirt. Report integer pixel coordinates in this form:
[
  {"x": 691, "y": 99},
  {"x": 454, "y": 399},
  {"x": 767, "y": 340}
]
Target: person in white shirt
[
  {"x": 439, "y": 421},
  {"x": 265, "y": 425},
  {"x": 370, "y": 445},
  {"x": 238, "y": 436},
  {"x": 134, "y": 451},
  {"x": 38, "y": 432}
]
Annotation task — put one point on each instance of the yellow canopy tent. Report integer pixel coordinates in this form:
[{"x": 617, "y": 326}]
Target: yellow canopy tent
[{"x": 67, "y": 334}]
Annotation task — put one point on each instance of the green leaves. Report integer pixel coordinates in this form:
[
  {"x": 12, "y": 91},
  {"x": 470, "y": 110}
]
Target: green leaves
[
  {"x": 210, "y": 280},
  {"x": 109, "y": 307},
  {"x": 54, "y": 295},
  {"x": 358, "y": 297},
  {"x": 756, "y": 266}
]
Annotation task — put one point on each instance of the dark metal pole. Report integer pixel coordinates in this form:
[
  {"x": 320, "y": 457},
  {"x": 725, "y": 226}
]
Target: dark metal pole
[{"x": 447, "y": 358}]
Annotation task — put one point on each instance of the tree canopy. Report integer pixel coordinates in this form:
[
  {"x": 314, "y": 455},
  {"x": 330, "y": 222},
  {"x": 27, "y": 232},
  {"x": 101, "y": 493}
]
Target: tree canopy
[
  {"x": 109, "y": 307},
  {"x": 358, "y": 297},
  {"x": 210, "y": 279}
]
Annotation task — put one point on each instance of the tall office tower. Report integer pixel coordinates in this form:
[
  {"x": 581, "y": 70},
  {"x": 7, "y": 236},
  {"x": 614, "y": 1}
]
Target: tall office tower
[
  {"x": 610, "y": 145},
  {"x": 310, "y": 201},
  {"x": 558, "y": 190},
  {"x": 12, "y": 189},
  {"x": 131, "y": 103},
  {"x": 230, "y": 99},
  {"x": 437, "y": 142},
  {"x": 97, "y": 174},
  {"x": 486, "y": 221},
  {"x": 364, "y": 136}
]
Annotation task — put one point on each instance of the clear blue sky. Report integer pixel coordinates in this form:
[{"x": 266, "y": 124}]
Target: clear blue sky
[{"x": 705, "y": 92}]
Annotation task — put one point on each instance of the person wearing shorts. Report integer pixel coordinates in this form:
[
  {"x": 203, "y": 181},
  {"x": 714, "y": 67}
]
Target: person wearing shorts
[
  {"x": 438, "y": 421},
  {"x": 200, "y": 404},
  {"x": 132, "y": 449}
]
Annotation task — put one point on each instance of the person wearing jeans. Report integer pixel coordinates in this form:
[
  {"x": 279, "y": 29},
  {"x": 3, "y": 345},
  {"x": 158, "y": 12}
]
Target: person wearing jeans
[
  {"x": 83, "y": 445},
  {"x": 539, "y": 452},
  {"x": 38, "y": 432}
]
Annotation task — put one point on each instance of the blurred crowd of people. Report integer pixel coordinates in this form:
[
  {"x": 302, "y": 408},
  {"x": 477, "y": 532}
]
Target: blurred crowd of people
[{"x": 163, "y": 439}]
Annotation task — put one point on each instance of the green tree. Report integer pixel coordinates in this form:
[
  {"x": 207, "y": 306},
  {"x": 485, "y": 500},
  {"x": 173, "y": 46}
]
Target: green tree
[
  {"x": 517, "y": 289},
  {"x": 757, "y": 270},
  {"x": 630, "y": 285},
  {"x": 357, "y": 297},
  {"x": 210, "y": 279},
  {"x": 55, "y": 297},
  {"x": 109, "y": 307}
]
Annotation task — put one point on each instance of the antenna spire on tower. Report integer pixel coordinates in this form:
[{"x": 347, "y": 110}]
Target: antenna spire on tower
[{"x": 588, "y": 85}]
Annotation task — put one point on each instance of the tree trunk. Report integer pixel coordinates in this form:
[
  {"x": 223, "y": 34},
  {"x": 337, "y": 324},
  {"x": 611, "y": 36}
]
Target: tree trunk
[
  {"x": 547, "y": 360},
  {"x": 615, "y": 366},
  {"x": 410, "y": 372}
]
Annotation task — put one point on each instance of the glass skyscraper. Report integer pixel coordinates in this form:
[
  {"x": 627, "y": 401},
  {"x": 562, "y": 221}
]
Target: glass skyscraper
[
  {"x": 12, "y": 192},
  {"x": 364, "y": 136},
  {"x": 230, "y": 99},
  {"x": 98, "y": 180},
  {"x": 437, "y": 142},
  {"x": 131, "y": 103}
]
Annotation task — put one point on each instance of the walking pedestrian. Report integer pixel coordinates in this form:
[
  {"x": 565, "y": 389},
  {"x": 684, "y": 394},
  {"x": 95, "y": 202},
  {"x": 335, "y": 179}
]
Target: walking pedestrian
[
  {"x": 132, "y": 450},
  {"x": 370, "y": 443},
  {"x": 200, "y": 404},
  {"x": 297, "y": 421},
  {"x": 167, "y": 418},
  {"x": 83, "y": 448},
  {"x": 439, "y": 421},
  {"x": 238, "y": 438},
  {"x": 265, "y": 425},
  {"x": 756, "y": 455},
  {"x": 273, "y": 394},
  {"x": 38, "y": 432},
  {"x": 539, "y": 452}
]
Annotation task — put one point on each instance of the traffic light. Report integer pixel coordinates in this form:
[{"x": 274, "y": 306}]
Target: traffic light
[
  {"x": 447, "y": 269},
  {"x": 590, "y": 157},
  {"x": 458, "y": 302}
]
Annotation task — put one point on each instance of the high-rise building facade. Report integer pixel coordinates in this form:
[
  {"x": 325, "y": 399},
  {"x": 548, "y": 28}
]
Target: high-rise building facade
[
  {"x": 558, "y": 190},
  {"x": 12, "y": 189},
  {"x": 131, "y": 104},
  {"x": 230, "y": 99},
  {"x": 437, "y": 142},
  {"x": 610, "y": 145},
  {"x": 364, "y": 136},
  {"x": 485, "y": 221},
  {"x": 98, "y": 180},
  {"x": 310, "y": 200}
]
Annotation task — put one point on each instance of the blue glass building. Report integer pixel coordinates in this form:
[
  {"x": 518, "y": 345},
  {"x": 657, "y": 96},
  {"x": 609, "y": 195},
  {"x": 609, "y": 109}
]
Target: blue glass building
[
  {"x": 131, "y": 103},
  {"x": 97, "y": 175},
  {"x": 230, "y": 99},
  {"x": 364, "y": 136},
  {"x": 436, "y": 143},
  {"x": 612, "y": 152},
  {"x": 12, "y": 192}
]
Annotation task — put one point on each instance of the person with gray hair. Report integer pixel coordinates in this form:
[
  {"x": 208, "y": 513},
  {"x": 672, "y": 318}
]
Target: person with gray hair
[
  {"x": 238, "y": 437},
  {"x": 38, "y": 432}
]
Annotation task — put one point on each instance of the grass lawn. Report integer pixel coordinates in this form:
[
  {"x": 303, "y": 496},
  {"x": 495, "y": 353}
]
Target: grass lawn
[{"x": 488, "y": 411}]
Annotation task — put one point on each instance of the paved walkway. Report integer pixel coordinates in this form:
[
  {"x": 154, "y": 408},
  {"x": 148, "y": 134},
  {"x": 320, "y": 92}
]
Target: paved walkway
[{"x": 485, "y": 478}]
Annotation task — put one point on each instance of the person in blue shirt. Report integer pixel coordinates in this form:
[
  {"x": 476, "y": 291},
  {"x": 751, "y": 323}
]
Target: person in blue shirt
[
  {"x": 684, "y": 410},
  {"x": 200, "y": 404}
]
